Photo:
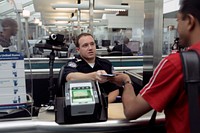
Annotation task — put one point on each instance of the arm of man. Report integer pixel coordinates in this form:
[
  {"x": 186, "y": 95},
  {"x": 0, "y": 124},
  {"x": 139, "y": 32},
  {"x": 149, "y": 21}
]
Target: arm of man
[
  {"x": 87, "y": 76},
  {"x": 80, "y": 76},
  {"x": 134, "y": 106}
]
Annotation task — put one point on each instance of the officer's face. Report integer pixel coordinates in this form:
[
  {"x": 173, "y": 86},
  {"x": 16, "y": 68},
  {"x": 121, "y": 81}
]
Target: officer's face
[{"x": 87, "y": 47}]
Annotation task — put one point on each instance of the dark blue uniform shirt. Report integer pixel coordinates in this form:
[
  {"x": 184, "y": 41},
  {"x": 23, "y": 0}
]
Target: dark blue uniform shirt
[{"x": 80, "y": 65}]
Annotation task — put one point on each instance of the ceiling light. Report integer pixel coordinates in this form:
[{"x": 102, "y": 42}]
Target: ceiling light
[
  {"x": 123, "y": 10},
  {"x": 66, "y": 9},
  {"x": 36, "y": 21},
  {"x": 112, "y": 7},
  {"x": 85, "y": 6},
  {"x": 77, "y": 6},
  {"x": 61, "y": 22},
  {"x": 40, "y": 23},
  {"x": 26, "y": 13}
]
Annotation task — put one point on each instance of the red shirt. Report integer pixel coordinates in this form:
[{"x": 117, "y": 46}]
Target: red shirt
[{"x": 165, "y": 92}]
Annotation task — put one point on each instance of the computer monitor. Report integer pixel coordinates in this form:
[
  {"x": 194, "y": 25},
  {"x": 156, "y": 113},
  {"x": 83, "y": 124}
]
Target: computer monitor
[
  {"x": 105, "y": 43},
  {"x": 134, "y": 46}
]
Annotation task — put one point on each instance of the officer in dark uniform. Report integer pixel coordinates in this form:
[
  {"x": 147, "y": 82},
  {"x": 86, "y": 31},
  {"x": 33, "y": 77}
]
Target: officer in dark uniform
[
  {"x": 89, "y": 67},
  {"x": 80, "y": 65}
]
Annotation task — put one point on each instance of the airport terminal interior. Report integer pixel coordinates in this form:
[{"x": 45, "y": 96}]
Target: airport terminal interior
[{"x": 46, "y": 31}]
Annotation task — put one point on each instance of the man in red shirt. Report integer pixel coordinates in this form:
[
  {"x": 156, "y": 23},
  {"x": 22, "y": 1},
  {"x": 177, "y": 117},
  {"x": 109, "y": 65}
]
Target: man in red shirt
[{"x": 165, "y": 89}]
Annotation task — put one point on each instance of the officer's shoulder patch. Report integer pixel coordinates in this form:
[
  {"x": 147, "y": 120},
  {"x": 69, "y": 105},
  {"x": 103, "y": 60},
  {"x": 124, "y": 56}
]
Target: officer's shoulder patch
[
  {"x": 72, "y": 64},
  {"x": 78, "y": 60}
]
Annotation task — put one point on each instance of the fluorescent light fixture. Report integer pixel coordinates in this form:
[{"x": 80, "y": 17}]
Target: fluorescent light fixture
[
  {"x": 77, "y": 6},
  {"x": 40, "y": 23},
  {"x": 115, "y": 10},
  {"x": 66, "y": 9},
  {"x": 85, "y": 6},
  {"x": 61, "y": 22},
  {"x": 112, "y": 7},
  {"x": 26, "y": 13},
  {"x": 36, "y": 21}
]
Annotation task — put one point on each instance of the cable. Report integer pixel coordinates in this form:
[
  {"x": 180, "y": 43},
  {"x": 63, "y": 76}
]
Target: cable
[{"x": 25, "y": 109}]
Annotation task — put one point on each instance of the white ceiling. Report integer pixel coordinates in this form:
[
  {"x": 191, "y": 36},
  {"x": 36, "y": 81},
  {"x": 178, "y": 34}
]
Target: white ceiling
[
  {"x": 43, "y": 10},
  {"x": 49, "y": 15}
]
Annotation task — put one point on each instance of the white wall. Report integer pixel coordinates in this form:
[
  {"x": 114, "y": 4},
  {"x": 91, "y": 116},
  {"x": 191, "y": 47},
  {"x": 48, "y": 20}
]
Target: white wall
[{"x": 134, "y": 23}]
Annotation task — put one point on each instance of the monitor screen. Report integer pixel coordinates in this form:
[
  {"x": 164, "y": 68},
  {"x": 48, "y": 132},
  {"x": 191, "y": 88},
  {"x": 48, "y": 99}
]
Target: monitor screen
[
  {"x": 134, "y": 46},
  {"x": 81, "y": 93},
  {"x": 105, "y": 43}
]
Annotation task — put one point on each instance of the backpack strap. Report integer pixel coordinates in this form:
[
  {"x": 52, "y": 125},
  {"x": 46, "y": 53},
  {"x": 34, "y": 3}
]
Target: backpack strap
[{"x": 191, "y": 71}]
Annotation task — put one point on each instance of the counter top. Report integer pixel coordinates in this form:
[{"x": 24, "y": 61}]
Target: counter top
[{"x": 45, "y": 123}]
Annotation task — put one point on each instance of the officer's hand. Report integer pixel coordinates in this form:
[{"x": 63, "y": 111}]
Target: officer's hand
[{"x": 99, "y": 78}]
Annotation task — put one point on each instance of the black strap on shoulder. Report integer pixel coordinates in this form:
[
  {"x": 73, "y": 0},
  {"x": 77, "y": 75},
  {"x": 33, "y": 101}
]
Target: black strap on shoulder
[
  {"x": 152, "y": 121},
  {"x": 191, "y": 65}
]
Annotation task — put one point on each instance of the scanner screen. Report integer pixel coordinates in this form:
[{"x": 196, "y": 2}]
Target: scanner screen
[{"x": 82, "y": 94}]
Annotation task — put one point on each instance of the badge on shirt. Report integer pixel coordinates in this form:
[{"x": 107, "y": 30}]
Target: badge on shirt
[
  {"x": 72, "y": 64},
  {"x": 78, "y": 60}
]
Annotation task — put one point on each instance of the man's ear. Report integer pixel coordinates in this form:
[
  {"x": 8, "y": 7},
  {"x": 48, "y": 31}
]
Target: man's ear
[{"x": 191, "y": 22}]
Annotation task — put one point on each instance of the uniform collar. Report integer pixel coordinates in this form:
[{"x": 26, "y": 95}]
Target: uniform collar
[{"x": 79, "y": 58}]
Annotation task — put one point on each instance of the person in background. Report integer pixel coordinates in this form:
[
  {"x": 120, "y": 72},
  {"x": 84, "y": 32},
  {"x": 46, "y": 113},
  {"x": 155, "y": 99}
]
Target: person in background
[
  {"x": 72, "y": 48},
  {"x": 87, "y": 66},
  {"x": 123, "y": 48},
  {"x": 10, "y": 28},
  {"x": 165, "y": 90}
]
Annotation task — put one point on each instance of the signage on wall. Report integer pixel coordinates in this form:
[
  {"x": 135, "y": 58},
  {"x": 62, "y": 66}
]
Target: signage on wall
[{"x": 12, "y": 80}]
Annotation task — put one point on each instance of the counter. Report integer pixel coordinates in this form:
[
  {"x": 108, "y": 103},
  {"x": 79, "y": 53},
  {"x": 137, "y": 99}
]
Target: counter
[{"x": 45, "y": 123}]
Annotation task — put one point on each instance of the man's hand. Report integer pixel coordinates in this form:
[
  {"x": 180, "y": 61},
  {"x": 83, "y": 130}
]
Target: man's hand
[{"x": 119, "y": 79}]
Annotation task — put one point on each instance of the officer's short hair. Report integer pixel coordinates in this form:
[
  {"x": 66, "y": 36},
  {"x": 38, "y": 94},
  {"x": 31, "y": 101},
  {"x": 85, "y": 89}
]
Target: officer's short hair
[{"x": 81, "y": 35}]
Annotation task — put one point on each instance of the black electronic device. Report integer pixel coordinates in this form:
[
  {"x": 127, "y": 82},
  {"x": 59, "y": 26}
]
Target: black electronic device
[
  {"x": 82, "y": 102},
  {"x": 56, "y": 39},
  {"x": 105, "y": 43},
  {"x": 52, "y": 55},
  {"x": 108, "y": 75}
]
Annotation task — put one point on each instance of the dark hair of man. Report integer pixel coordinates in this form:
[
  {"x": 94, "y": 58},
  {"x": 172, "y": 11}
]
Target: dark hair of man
[
  {"x": 190, "y": 7},
  {"x": 81, "y": 35}
]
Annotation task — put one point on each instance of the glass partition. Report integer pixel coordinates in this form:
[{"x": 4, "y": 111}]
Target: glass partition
[
  {"x": 16, "y": 99},
  {"x": 38, "y": 21}
]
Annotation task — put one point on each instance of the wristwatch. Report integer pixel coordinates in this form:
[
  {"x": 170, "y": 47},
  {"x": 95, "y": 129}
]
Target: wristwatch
[{"x": 126, "y": 82}]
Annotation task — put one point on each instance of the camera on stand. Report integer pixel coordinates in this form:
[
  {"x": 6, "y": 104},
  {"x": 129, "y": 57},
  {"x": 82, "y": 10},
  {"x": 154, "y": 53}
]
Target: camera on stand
[
  {"x": 56, "y": 39},
  {"x": 54, "y": 43}
]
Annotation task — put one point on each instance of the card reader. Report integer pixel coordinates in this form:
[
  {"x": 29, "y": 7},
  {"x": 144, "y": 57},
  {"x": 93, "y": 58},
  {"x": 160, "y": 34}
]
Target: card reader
[{"x": 82, "y": 102}]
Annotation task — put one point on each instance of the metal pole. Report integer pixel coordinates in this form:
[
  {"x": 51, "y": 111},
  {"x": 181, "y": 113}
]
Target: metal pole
[
  {"x": 19, "y": 34},
  {"x": 153, "y": 34},
  {"x": 91, "y": 14},
  {"x": 26, "y": 28},
  {"x": 36, "y": 31},
  {"x": 79, "y": 17}
]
